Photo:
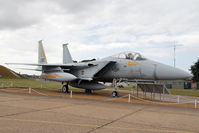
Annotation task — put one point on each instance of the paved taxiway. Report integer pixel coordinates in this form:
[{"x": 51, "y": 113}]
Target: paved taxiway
[{"x": 22, "y": 113}]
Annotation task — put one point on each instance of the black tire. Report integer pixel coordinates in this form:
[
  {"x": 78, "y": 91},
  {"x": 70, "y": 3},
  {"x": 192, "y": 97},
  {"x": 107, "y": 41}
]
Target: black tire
[
  {"x": 88, "y": 91},
  {"x": 114, "y": 94},
  {"x": 65, "y": 89}
]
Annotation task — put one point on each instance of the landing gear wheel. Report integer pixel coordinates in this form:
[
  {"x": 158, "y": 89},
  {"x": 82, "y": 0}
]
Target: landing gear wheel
[
  {"x": 65, "y": 89},
  {"x": 114, "y": 94},
  {"x": 88, "y": 91}
]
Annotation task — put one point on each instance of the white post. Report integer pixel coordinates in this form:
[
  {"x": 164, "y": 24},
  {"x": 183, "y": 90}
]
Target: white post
[
  {"x": 195, "y": 103},
  {"x": 29, "y": 90},
  {"x": 41, "y": 86},
  {"x": 2, "y": 85},
  {"x": 71, "y": 94},
  {"x": 129, "y": 98},
  {"x": 163, "y": 93},
  {"x": 178, "y": 99},
  {"x": 11, "y": 84}
]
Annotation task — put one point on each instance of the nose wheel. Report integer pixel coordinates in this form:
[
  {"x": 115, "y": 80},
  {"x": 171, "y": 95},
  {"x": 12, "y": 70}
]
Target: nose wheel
[{"x": 114, "y": 94}]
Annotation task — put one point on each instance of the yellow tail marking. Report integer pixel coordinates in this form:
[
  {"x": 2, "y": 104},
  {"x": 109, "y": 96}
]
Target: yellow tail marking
[
  {"x": 42, "y": 50},
  {"x": 133, "y": 63},
  {"x": 53, "y": 76}
]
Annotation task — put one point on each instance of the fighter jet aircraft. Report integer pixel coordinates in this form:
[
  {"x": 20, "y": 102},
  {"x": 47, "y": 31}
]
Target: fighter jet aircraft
[{"x": 88, "y": 76}]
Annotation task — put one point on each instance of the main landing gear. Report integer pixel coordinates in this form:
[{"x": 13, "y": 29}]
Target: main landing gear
[
  {"x": 65, "y": 88},
  {"x": 88, "y": 91}
]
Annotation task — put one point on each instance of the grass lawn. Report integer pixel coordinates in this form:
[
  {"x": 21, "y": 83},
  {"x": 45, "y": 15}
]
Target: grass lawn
[
  {"x": 185, "y": 92},
  {"x": 181, "y": 92},
  {"x": 32, "y": 83}
]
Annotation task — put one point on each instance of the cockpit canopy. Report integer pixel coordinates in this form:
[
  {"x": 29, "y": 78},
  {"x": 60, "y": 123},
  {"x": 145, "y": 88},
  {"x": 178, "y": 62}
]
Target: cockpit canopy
[{"x": 129, "y": 55}]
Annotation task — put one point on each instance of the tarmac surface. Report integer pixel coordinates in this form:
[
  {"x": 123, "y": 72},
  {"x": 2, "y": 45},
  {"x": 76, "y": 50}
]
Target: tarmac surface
[{"x": 23, "y": 113}]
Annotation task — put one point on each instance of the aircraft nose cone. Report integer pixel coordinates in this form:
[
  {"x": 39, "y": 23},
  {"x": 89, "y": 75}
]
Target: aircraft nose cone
[{"x": 165, "y": 72}]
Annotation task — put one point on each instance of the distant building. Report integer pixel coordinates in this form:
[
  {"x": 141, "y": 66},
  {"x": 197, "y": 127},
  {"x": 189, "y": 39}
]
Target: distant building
[
  {"x": 176, "y": 84},
  {"x": 195, "y": 85}
]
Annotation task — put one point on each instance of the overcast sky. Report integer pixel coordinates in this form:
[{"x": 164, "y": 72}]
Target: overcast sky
[{"x": 99, "y": 28}]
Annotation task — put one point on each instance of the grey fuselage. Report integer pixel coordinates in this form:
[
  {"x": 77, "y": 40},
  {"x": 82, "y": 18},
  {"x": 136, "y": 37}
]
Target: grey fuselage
[{"x": 133, "y": 69}]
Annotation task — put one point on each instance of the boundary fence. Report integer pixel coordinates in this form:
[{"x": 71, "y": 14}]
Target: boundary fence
[{"x": 163, "y": 99}]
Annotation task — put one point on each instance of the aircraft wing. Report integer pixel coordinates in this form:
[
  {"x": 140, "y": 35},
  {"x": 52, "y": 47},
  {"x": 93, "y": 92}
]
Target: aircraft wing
[
  {"x": 103, "y": 70},
  {"x": 84, "y": 71},
  {"x": 95, "y": 71},
  {"x": 65, "y": 66}
]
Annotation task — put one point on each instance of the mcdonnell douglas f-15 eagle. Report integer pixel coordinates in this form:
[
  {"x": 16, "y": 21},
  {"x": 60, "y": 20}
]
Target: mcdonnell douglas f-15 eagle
[{"x": 126, "y": 65}]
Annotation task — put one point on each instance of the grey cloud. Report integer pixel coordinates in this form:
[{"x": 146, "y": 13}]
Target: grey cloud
[
  {"x": 13, "y": 15},
  {"x": 78, "y": 6},
  {"x": 85, "y": 12},
  {"x": 24, "y": 13},
  {"x": 142, "y": 13}
]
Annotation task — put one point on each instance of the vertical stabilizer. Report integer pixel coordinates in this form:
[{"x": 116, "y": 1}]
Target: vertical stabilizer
[
  {"x": 41, "y": 54},
  {"x": 66, "y": 55}
]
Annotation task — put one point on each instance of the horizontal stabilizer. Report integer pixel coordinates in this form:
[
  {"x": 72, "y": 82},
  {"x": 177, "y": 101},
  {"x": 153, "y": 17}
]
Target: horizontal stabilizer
[
  {"x": 63, "y": 66},
  {"x": 30, "y": 69}
]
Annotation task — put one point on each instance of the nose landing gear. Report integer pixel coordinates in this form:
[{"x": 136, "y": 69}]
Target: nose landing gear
[
  {"x": 114, "y": 84},
  {"x": 114, "y": 94}
]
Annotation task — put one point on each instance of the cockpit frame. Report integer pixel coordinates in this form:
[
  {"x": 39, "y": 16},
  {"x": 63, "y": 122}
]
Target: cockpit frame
[{"x": 130, "y": 56}]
